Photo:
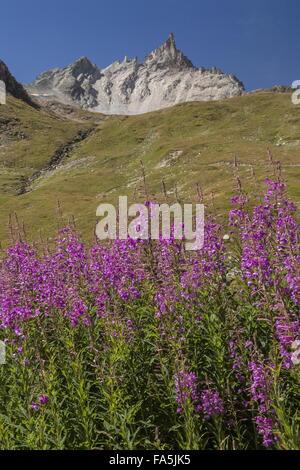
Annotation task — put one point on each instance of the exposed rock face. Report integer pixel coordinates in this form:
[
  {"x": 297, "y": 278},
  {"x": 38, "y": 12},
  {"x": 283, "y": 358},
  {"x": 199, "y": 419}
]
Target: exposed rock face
[
  {"x": 166, "y": 77},
  {"x": 12, "y": 86}
]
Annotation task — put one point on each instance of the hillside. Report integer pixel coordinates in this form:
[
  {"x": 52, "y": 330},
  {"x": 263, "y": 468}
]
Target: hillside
[{"x": 82, "y": 158}]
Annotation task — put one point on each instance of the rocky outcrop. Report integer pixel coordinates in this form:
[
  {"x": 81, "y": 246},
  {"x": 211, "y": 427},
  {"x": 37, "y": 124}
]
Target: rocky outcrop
[
  {"x": 12, "y": 86},
  {"x": 275, "y": 89},
  {"x": 166, "y": 77}
]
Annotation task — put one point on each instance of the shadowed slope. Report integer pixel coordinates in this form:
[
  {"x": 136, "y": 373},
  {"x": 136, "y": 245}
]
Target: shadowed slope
[{"x": 183, "y": 145}]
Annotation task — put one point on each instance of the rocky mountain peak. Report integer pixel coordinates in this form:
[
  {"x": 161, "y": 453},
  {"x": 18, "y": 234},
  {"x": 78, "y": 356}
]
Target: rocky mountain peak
[
  {"x": 166, "y": 77},
  {"x": 167, "y": 55}
]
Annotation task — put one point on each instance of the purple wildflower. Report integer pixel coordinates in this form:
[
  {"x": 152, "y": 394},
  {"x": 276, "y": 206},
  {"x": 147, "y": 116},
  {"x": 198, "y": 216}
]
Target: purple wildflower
[{"x": 34, "y": 406}]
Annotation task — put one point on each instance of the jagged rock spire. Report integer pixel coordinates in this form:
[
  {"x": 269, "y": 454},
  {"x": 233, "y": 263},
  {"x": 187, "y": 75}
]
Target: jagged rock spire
[{"x": 171, "y": 44}]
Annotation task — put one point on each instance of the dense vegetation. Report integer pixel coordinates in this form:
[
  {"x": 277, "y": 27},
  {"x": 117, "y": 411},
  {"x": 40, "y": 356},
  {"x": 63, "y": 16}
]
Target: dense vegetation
[{"x": 143, "y": 345}]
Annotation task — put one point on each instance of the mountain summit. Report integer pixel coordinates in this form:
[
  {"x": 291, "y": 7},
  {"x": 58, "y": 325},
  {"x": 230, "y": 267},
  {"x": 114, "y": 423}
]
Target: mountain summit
[
  {"x": 166, "y": 77},
  {"x": 167, "y": 55}
]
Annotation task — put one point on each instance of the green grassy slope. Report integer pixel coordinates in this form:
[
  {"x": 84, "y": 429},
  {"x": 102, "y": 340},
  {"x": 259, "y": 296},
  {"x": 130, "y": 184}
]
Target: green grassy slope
[{"x": 182, "y": 145}]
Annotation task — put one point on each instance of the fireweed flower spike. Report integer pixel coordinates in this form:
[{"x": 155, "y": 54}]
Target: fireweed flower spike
[{"x": 260, "y": 388}]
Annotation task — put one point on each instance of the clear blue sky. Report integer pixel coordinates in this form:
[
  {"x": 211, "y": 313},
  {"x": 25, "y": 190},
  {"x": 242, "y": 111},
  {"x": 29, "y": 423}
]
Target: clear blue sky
[{"x": 257, "y": 40}]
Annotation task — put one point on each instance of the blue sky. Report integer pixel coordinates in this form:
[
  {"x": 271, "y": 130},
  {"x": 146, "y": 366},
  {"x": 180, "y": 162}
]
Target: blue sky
[{"x": 257, "y": 40}]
